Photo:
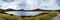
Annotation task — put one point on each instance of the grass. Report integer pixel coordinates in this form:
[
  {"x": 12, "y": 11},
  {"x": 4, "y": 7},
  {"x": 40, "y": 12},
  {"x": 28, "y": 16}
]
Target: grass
[
  {"x": 8, "y": 17},
  {"x": 38, "y": 17}
]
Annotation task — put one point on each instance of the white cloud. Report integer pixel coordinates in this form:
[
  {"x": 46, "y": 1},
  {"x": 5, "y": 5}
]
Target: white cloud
[{"x": 31, "y": 4}]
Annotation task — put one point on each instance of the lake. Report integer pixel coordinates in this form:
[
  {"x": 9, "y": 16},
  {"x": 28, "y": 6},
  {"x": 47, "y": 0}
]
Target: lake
[{"x": 23, "y": 13}]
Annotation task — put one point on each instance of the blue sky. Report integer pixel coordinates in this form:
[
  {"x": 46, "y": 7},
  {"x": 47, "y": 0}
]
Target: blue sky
[{"x": 30, "y": 4}]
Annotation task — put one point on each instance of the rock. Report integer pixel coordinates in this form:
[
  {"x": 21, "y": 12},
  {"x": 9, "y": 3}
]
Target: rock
[{"x": 57, "y": 17}]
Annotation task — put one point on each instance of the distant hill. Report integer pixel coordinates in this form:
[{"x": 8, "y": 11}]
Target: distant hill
[
  {"x": 10, "y": 10},
  {"x": 37, "y": 10},
  {"x": 44, "y": 10},
  {"x": 21, "y": 10},
  {"x": 1, "y": 9},
  {"x": 18, "y": 10},
  {"x": 27, "y": 10},
  {"x": 57, "y": 10}
]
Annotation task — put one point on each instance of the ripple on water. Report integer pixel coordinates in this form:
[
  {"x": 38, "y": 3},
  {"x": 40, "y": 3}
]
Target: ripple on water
[{"x": 23, "y": 13}]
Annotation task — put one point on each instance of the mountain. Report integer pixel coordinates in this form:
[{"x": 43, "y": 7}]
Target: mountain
[
  {"x": 57, "y": 10},
  {"x": 39, "y": 10},
  {"x": 44, "y": 10},
  {"x": 10, "y": 10},
  {"x": 1, "y": 9},
  {"x": 21, "y": 10}
]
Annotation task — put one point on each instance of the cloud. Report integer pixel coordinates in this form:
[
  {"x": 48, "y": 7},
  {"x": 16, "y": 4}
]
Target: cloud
[
  {"x": 8, "y": 0},
  {"x": 31, "y": 4}
]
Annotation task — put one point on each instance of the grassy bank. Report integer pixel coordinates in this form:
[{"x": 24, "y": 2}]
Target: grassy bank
[{"x": 48, "y": 16}]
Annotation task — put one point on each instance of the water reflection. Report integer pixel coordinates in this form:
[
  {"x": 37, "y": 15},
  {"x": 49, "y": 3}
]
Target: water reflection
[{"x": 23, "y": 13}]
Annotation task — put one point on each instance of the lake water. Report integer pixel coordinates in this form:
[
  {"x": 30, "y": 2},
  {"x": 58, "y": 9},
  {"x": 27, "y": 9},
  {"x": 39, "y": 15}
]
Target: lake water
[{"x": 23, "y": 13}]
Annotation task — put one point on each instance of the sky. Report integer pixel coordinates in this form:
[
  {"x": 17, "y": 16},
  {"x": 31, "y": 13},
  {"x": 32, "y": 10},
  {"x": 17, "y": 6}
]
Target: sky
[{"x": 30, "y": 4}]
